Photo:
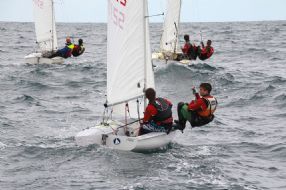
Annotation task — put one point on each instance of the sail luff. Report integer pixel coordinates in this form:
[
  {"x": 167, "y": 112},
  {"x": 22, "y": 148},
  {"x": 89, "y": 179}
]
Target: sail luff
[
  {"x": 169, "y": 40},
  {"x": 145, "y": 49}
]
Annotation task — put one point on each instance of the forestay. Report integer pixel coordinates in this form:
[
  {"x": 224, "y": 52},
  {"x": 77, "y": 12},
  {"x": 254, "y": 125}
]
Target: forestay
[
  {"x": 129, "y": 67},
  {"x": 45, "y": 25},
  {"x": 169, "y": 40}
]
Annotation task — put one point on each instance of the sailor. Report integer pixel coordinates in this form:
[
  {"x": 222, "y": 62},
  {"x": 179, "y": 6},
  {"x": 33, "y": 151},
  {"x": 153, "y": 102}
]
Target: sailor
[
  {"x": 189, "y": 50},
  {"x": 200, "y": 111},
  {"x": 206, "y": 51},
  {"x": 78, "y": 49},
  {"x": 157, "y": 115},
  {"x": 65, "y": 52}
]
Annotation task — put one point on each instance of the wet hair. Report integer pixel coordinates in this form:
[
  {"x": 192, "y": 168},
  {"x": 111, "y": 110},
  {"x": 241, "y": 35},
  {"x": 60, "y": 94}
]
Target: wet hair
[
  {"x": 186, "y": 37},
  {"x": 150, "y": 94},
  {"x": 209, "y": 42},
  {"x": 80, "y": 41},
  {"x": 206, "y": 86}
]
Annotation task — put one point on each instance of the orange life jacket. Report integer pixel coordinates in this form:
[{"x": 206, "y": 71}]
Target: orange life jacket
[{"x": 212, "y": 105}]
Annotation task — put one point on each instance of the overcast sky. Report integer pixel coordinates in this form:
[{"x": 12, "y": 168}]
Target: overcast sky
[{"x": 192, "y": 10}]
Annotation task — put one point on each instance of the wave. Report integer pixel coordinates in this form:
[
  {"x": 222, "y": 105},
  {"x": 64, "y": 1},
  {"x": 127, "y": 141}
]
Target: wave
[
  {"x": 226, "y": 80},
  {"x": 276, "y": 80},
  {"x": 27, "y": 99},
  {"x": 267, "y": 91},
  {"x": 252, "y": 49},
  {"x": 2, "y": 146},
  {"x": 203, "y": 66},
  {"x": 281, "y": 97}
]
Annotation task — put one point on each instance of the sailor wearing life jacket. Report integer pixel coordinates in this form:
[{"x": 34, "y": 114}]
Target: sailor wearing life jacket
[
  {"x": 157, "y": 115},
  {"x": 200, "y": 111},
  {"x": 78, "y": 49},
  {"x": 65, "y": 52},
  {"x": 206, "y": 51},
  {"x": 189, "y": 50}
]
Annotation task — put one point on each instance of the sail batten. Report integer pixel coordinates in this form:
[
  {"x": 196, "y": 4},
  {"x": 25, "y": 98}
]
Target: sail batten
[
  {"x": 169, "y": 39},
  {"x": 45, "y": 24}
]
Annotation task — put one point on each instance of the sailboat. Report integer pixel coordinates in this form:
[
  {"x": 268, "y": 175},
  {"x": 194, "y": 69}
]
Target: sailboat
[
  {"x": 169, "y": 45},
  {"x": 46, "y": 35},
  {"x": 129, "y": 72}
]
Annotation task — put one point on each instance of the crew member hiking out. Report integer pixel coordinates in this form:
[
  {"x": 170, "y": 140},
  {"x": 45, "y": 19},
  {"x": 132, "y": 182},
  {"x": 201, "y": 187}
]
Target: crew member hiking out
[
  {"x": 65, "y": 52},
  {"x": 206, "y": 51},
  {"x": 78, "y": 49},
  {"x": 157, "y": 115},
  {"x": 189, "y": 50},
  {"x": 200, "y": 111}
]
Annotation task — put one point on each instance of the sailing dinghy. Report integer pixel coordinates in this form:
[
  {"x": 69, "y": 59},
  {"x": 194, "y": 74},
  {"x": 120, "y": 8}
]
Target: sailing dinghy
[
  {"x": 46, "y": 35},
  {"x": 169, "y": 44},
  {"x": 129, "y": 72}
]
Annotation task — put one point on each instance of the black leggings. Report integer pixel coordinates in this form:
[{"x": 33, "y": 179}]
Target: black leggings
[{"x": 195, "y": 120}]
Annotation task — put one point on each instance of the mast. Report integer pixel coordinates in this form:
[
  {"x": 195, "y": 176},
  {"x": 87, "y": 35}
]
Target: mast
[
  {"x": 53, "y": 21},
  {"x": 145, "y": 47}
]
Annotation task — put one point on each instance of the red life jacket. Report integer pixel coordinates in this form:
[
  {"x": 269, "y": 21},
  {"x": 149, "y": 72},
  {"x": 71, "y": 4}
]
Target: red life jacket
[
  {"x": 164, "y": 112},
  {"x": 205, "y": 54},
  {"x": 186, "y": 48}
]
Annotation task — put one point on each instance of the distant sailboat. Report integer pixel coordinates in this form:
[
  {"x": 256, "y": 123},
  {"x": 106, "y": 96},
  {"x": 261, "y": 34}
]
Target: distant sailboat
[
  {"x": 169, "y": 45},
  {"x": 46, "y": 35},
  {"x": 129, "y": 72}
]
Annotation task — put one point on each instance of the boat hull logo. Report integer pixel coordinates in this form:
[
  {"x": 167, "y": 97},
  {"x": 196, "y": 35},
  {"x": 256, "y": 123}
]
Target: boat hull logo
[{"x": 116, "y": 141}]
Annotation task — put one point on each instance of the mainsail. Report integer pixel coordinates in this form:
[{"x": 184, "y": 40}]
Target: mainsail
[
  {"x": 45, "y": 24},
  {"x": 129, "y": 67},
  {"x": 169, "y": 40}
]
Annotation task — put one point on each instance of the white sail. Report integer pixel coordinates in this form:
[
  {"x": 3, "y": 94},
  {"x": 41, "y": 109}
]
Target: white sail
[
  {"x": 129, "y": 67},
  {"x": 45, "y": 24},
  {"x": 169, "y": 40}
]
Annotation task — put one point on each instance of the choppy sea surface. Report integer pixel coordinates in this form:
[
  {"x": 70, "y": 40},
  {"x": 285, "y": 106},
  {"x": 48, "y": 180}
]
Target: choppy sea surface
[{"x": 42, "y": 107}]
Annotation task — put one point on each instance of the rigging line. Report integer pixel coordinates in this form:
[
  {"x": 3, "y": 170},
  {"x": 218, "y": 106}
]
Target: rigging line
[{"x": 129, "y": 123}]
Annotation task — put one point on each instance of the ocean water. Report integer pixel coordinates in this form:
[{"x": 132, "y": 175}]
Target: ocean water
[{"x": 42, "y": 107}]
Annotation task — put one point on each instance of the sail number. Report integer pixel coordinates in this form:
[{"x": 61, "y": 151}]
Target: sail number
[
  {"x": 118, "y": 15},
  {"x": 122, "y": 2},
  {"x": 39, "y": 3}
]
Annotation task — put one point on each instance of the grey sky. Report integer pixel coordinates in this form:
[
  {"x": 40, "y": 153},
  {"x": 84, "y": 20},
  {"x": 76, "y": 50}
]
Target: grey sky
[{"x": 192, "y": 10}]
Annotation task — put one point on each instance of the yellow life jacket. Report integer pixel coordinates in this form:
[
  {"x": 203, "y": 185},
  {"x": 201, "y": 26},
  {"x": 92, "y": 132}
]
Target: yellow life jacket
[
  {"x": 212, "y": 105},
  {"x": 71, "y": 46}
]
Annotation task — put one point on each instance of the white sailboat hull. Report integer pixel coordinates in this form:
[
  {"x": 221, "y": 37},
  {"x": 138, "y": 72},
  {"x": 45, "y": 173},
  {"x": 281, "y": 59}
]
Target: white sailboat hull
[
  {"x": 147, "y": 142},
  {"x": 166, "y": 56},
  {"x": 36, "y": 58}
]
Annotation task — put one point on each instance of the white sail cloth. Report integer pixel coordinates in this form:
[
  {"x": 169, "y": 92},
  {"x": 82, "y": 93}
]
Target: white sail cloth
[
  {"x": 45, "y": 25},
  {"x": 169, "y": 41},
  {"x": 129, "y": 67}
]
